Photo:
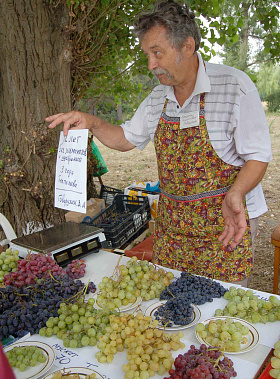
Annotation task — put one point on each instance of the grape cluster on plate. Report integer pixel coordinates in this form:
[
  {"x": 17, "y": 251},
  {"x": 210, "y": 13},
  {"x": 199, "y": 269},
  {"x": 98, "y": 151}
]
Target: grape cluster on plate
[
  {"x": 23, "y": 357},
  {"x": 202, "y": 363},
  {"x": 186, "y": 290},
  {"x": 135, "y": 279},
  {"x": 227, "y": 333},
  {"x": 176, "y": 311}
]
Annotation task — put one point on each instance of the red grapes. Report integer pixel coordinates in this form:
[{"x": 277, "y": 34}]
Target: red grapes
[
  {"x": 202, "y": 363},
  {"x": 33, "y": 267},
  {"x": 76, "y": 269}
]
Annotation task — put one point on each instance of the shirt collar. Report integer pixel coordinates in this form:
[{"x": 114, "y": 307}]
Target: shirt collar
[{"x": 202, "y": 83}]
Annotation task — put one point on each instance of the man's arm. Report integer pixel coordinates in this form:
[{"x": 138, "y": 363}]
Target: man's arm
[
  {"x": 233, "y": 210},
  {"x": 110, "y": 135}
]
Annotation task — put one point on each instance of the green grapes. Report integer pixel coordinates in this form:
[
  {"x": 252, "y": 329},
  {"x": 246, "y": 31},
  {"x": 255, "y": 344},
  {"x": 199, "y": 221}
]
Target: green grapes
[
  {"x": 136, "y": 278},
  {"x": 148, "y": 348},
  {"x": 275, "y": 362},
  {"x": 8, "y": 262},
  {"x": 247, "y": 306},
  {"x": 78, "y": 324},
  {"x": 226, "y": 334},
  {"x": 23, "y": 357}
]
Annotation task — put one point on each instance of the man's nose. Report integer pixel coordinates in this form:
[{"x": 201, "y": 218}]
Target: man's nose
[{"x": 152, "y": 63}]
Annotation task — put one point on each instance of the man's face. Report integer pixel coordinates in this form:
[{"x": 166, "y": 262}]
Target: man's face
[{"x": 164, "y": 60}]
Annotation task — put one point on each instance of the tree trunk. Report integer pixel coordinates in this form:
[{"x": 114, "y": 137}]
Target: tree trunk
[
  {"x": 34, "y": 82},
  {"x": 119, "y": 112},
  {"x": 244, "y": 38}
]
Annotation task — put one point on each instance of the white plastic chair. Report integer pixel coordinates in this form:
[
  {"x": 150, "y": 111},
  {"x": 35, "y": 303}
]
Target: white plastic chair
[{"x": 8, "y": 230}]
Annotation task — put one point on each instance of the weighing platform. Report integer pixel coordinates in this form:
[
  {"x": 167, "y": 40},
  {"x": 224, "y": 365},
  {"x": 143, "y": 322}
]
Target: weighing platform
[{"x": 66, "y": 242}]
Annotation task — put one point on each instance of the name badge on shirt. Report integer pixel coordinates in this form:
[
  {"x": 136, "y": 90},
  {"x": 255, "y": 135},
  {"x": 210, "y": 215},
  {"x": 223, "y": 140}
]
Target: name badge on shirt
[{"x": 189, "y": 120}]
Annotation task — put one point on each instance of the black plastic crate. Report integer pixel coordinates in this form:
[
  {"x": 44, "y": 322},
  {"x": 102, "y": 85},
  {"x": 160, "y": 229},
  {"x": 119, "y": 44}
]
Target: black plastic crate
[
  {"x": 122, "y": 219},
  {"x": 108, "y": 194}
]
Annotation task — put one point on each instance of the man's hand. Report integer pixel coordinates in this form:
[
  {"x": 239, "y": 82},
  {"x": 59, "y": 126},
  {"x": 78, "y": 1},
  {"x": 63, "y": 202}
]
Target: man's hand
[
  {"x": 235, "y": 220},
  {"x": 78, "y": 120}
]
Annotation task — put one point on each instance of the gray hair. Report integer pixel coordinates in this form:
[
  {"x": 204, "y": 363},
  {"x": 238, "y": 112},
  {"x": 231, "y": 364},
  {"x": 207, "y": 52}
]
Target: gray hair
[{"x": 176, "y": 18}]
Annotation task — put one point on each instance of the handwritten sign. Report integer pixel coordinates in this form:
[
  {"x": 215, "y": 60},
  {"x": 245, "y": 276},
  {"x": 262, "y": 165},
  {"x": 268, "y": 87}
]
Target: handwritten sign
[{"x": 71, "y": 171}]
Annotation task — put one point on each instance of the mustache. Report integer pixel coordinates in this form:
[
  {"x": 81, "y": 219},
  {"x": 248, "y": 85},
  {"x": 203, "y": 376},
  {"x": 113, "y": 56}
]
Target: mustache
[{"x": 159, "y": 71}]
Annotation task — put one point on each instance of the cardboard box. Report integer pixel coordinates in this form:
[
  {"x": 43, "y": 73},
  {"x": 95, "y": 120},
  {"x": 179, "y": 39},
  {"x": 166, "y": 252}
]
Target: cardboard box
[{"x": 94, "y": 207}]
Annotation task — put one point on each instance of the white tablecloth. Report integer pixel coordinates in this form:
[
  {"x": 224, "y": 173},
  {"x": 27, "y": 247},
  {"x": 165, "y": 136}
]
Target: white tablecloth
[{"x": 102, "y": 264}]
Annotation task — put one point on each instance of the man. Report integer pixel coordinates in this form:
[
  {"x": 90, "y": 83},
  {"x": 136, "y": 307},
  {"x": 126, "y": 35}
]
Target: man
[{"x": 212, "y": 145}]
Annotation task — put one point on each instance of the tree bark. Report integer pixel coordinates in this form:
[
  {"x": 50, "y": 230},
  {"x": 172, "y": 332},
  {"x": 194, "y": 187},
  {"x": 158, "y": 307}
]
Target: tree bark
[{"x": 35, "y": 81}]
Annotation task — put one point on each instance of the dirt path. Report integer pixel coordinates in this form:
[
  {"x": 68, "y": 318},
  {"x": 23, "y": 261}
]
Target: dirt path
[{"x": 124, "y": 168}]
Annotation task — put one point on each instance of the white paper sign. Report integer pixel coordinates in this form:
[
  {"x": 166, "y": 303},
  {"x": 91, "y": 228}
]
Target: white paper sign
[
  {"x": 189, "y": 120},
  {"x": 71, "y": 171}
]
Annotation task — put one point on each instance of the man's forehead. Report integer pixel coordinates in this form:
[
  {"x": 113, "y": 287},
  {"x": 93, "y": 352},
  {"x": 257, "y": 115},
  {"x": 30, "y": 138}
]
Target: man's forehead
[{"x": 154, "y": 38}]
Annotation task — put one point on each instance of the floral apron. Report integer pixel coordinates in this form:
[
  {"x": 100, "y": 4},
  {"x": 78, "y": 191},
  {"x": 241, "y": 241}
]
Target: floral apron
[{"x": 193, "y": 183}]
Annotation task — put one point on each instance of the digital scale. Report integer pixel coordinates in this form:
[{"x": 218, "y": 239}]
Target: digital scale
[{"x": 66, "y": 242}]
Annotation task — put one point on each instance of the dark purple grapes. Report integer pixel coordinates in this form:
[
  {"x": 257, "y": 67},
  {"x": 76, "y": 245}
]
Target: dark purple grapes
[
  {"x": 196, "y": 289},
  {"x": 31, "y": 306},
  {"x": 177, "y": 310}
]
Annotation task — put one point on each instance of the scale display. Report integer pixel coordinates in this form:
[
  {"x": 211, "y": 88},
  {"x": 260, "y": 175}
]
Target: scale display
[{"x": 66, "y": 242}]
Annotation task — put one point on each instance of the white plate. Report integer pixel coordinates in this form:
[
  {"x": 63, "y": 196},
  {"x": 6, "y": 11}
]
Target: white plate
[
  {"x": 154, "y": 307},
  {"x": 82, "y": 371},
  {"x": 124, "y": 308},
  {"x": 253, "y": 335},
  {"x": 40, "y": 368}
]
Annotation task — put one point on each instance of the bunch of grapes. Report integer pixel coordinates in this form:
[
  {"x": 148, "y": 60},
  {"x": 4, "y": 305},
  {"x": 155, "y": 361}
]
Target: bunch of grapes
[
  {"x": 148, "y": 348},
  {"x": 275, "y": 361},
  {"x": 22, "y": 357},
  {"x": 30, "y": 268},
  {"x": 181, "y": 293},
  {"x": 8, "y": 262},
  {"x": 202, "y": 363},
  {"x": 136, "y": 278},
  {"x": 226, "y": 334},
  {"x": 177, "y": 310},
  {"x": 197, "y": 289},
  {"x": 245, "y": 305},
  {"x": 78, "y": 324},
  {"x": 28, "y": 308},
  {"x": 76, "y": 269}
]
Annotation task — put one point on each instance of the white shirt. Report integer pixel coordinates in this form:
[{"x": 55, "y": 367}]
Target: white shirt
[{"x": 235, "y": 119}]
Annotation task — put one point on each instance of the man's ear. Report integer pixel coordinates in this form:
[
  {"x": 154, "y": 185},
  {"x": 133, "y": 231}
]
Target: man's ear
[{"x": 189, "y": 47}]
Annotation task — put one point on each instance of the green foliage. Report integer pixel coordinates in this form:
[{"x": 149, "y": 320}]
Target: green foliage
[
  {"x": 273, "y": 102},
  {"x": 268, "y": 80},
  {"x": 268, "y": 85},
  {"x": 106, "y": 55}
]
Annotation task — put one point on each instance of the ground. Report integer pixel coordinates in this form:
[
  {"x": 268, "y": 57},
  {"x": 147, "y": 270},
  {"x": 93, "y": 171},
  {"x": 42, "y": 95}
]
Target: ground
[{"x": 124, "y": 168}]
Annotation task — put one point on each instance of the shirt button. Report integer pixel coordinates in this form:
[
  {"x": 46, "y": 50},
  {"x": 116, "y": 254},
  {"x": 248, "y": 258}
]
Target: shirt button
[{"x": 178, "y": 107}]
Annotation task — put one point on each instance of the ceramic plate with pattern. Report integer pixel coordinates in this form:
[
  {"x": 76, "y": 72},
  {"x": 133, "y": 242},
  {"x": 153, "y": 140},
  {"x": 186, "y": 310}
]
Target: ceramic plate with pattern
[
  {"x": 124, "y": 308},
  {"x": 81, "y": 371},
  {"x": 41, "y": 368},
  {"x": 154, "y": 307},
  {"x": 252, "y": 338}
]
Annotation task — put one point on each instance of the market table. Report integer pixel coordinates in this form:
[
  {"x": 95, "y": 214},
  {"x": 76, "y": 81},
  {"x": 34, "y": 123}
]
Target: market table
[{"x": 102, "y": 264}]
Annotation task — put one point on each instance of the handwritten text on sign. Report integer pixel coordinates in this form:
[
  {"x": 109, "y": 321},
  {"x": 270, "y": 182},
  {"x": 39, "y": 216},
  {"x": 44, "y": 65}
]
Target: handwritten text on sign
[{"x": 71, "y": 171}]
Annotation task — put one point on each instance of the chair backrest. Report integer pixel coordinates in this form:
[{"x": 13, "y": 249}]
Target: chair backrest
[{"x": 7, "y": 228}]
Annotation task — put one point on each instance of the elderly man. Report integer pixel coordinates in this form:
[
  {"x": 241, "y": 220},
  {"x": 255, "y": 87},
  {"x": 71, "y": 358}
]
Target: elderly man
[{"x": 212, "y": 145}]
